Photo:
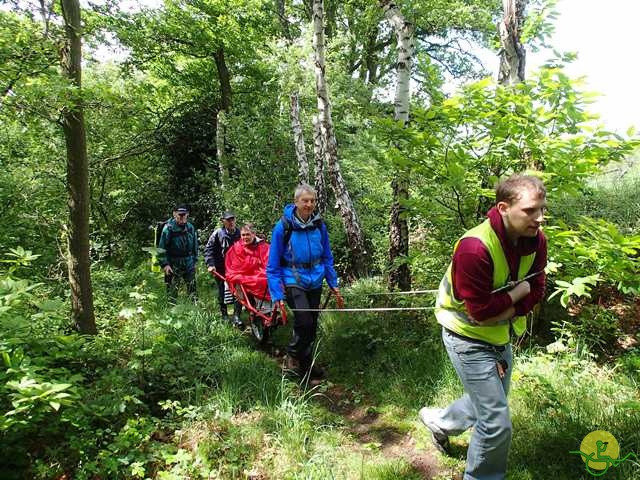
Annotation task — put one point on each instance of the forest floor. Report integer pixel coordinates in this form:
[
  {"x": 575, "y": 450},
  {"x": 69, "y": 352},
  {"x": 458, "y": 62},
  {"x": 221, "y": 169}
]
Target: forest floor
[
  {"x": 372, "y": 432},
  {"x": 372, "y": 435}
]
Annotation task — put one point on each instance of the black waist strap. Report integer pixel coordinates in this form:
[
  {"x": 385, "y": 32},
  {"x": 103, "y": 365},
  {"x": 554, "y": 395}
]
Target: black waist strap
[{"x": 284, "y": 263}]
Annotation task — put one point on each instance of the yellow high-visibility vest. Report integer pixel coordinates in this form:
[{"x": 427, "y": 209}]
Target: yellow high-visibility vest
[{"x": 451, "y": 312}]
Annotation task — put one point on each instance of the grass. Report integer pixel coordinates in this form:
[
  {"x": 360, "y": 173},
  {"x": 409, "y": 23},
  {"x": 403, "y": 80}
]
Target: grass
[
  {"x": 185, "y": 396},
  {"x": 613, "y": 196},
  {"x": 392, "y": 365}
]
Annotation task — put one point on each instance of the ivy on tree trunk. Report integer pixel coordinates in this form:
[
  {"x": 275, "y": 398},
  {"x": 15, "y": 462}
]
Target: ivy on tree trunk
[{"x": 73, "y": 127}]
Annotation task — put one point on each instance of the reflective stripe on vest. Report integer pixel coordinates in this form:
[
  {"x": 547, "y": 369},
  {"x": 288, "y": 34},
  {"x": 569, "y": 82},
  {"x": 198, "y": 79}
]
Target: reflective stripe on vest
[{"x": 452, "y": 314}]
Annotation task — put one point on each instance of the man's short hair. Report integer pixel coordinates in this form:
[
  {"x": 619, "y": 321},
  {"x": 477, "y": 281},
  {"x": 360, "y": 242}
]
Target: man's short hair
[
  {"x": 304, "y": 188},
  {"x": 510, "y": 189},
  {"x": 249, "y": 227}
]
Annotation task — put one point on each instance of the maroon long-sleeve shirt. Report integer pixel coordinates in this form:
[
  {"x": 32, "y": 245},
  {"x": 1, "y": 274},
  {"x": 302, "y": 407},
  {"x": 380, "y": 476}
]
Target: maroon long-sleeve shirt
[{"x": 472, "y": 272}]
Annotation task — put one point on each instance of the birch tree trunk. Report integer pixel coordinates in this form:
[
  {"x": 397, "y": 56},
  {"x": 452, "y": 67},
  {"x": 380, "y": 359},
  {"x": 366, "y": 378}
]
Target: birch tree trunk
[
  {"x": 77, "y": 174},
  {"x": 345, "y": 205},
  {"x": 318, "y": 154},
  {"x": 399, "y": 274},
  {"x": 298, "y": 140},
  {"x": 512, "y": 53}
]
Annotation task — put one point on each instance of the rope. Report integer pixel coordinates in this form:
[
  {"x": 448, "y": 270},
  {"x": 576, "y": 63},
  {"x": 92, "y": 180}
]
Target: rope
[
  {"x": 376, "y": 309},
  {"x": 411, "y": 292}
]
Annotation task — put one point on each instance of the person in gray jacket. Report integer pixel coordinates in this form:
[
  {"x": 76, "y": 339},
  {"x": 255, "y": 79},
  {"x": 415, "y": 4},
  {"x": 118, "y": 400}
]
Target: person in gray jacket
[{"x": 217, "y": 247}]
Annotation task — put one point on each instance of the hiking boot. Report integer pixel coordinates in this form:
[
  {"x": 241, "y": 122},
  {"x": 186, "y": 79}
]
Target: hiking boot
[
  {"x": 316, "y": 373},
  {"x": 291, "y": 365},
  {"x": 439, "y": 439},
  {"x": 237, "y": 322}
]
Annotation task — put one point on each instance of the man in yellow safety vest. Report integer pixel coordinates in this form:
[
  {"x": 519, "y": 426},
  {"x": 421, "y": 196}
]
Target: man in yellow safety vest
[{"x": 495, "y": 278}]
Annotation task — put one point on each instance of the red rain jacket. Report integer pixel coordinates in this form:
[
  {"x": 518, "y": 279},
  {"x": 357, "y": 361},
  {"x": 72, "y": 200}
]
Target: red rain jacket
[{"x": 246, "y": 264}]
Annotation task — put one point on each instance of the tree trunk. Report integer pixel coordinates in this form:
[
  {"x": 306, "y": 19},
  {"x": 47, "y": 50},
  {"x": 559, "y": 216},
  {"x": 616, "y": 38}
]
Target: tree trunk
[
  {"x": 220, "y": 135},
  {"x": 284, "y": 21},
  {"x": 399, "y": 274},
  {"x": 369, "y": 59},
  {"x": 77, "y": 174},
  {"x": 345, "y": 205},
  {"x": 512, "y": 53},
  {"x": 298, "y": 140},
  {"x": 225, "y": 106},
  {"x": 319, "y": 153},
  {"x": 224, "y": 78}
]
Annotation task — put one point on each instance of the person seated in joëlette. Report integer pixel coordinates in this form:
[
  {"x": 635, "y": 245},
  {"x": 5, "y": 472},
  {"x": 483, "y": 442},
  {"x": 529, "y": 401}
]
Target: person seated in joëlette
[{"x": 246, "y": 263}]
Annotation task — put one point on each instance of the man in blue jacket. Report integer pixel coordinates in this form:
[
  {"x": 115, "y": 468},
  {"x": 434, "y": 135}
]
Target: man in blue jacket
[
  {"x": 179, "y": 240},
  {"x": 300, "y": 259}
]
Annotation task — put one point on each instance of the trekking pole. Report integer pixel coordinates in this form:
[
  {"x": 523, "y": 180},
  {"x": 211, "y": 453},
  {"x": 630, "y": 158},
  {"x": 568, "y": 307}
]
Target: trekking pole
[
  {"x": 339, "y": 300},
  {"x": 326, "y": 300}
]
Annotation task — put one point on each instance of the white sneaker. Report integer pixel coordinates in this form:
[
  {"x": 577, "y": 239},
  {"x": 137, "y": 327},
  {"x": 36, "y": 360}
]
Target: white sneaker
[{"x": 439, "y": 439}]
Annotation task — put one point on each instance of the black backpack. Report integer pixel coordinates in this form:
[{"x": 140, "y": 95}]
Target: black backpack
[
  {"x": 288, "y": 228},
  {"x": 158, "y": 230}
]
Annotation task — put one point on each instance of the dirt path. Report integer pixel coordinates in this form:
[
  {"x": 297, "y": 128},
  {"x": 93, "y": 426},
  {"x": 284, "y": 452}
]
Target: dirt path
[{"x": 373, "y": 434}]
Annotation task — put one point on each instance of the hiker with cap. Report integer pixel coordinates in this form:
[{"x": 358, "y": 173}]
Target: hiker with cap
[
  {"x": 179, "y": 244},
  {"x": 217, "y": 247},
  {"x": 495, "y": 278},
  {"x": 300, "y": 259}
]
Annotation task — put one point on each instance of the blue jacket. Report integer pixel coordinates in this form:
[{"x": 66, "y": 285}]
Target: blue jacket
[{"x": 305, "y": 261}]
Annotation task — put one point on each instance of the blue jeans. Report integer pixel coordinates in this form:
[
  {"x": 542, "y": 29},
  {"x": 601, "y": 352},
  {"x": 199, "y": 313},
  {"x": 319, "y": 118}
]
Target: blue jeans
[{"x": 483, "y": 406}]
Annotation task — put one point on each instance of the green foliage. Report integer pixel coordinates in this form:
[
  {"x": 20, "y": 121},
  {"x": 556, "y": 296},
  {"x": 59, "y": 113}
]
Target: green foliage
[
  {"x": 593, "y": 329},
  {"x": 612, "y": 196},
  {"x": 557, "y": 400},
  {"x": 458, "y": 149},
  {"x": 170, "y": 392},
  {"x": 579, "y": 287},
  {"x": 596, "y": 247},
  {"x": 539, "y": 24}
]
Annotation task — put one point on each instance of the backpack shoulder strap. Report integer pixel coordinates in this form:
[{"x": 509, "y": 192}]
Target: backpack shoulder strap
[
  {"x": 221, "y": 234},
  {"x": 288, "y": 230},
  {"x": 165, "y": 224}
]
